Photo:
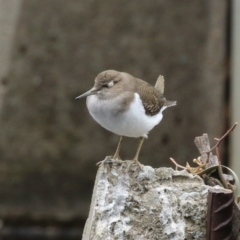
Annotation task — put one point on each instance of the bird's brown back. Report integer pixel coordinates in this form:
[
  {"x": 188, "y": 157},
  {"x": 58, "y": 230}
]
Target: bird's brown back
[{"x": 152, "y": 100}]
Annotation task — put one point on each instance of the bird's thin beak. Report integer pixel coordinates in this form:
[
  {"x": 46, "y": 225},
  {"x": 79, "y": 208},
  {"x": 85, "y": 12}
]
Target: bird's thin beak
[{"x": 88, "y": 93}]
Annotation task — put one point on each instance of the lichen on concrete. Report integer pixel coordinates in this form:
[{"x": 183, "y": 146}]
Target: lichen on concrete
[{"x": 133, "y": 203}]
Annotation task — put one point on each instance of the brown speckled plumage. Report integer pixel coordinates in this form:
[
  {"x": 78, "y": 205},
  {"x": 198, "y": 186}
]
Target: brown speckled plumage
[
  {"x": 114, "y": 103},
  {"x": 125, "y": 85},
  {"x": 152, "y": 100}
]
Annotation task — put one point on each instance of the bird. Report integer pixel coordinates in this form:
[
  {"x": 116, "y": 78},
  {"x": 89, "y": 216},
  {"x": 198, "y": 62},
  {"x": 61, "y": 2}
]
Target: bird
[{"x": 126, "y": 106}]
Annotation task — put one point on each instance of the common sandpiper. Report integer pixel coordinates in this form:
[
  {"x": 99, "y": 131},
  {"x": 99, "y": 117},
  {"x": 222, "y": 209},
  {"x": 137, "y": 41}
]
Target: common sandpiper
[{"x": 126, "y": 106}]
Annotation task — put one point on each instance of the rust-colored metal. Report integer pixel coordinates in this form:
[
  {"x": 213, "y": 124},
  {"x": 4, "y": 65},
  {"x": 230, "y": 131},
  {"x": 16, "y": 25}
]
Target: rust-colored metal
[{"x": 220, "y": 214}]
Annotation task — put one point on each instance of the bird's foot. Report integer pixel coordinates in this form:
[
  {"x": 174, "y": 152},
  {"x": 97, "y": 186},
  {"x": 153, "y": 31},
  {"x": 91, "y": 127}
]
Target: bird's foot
[
  {"x": 116, "y": 157},
  {"x": 133, "y": 165},
  {"x": 138, "y": 163},
  {"x": 109, "y": 159}
]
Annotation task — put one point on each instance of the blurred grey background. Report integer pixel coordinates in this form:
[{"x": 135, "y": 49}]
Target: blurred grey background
[{"x": 51, "y": 51}]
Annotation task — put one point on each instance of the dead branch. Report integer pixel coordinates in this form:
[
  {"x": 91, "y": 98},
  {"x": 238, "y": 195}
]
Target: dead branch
[
  {"x": 177, "y": 165},
  {"x": 219, "y": 140}
]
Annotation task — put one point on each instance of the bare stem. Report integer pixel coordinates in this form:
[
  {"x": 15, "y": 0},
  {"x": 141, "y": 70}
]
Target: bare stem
[
  {"x": 216, "y": 146},
  {"x": 219, "y": 140},
  {"x": 176, "y": 164}
]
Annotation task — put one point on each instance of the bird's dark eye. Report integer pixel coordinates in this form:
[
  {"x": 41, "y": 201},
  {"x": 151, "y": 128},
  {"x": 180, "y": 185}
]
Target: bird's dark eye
[{"x": 108, "y": 85}]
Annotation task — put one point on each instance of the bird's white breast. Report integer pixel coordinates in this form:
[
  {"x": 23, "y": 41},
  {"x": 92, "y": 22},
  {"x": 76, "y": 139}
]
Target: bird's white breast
[{"x": 130, "y": 123}]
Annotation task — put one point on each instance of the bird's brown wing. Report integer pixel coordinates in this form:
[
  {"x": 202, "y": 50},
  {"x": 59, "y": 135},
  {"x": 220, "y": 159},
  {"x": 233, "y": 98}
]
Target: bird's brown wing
[
  {"x": 159, "y": 86},
  {"x": 152, "y": 101}
]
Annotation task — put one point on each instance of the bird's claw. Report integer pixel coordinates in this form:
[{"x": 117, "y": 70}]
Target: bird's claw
[
  {"x": 109, "y": 159},
  {"x": 138, "y": 164}
]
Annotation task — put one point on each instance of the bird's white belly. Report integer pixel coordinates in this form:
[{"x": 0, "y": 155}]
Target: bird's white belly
[{"x": 131, "y": 123}]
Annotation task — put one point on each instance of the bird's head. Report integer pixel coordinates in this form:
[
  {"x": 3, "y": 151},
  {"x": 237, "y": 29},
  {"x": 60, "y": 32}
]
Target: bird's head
[{"x": 106, "y": 84}]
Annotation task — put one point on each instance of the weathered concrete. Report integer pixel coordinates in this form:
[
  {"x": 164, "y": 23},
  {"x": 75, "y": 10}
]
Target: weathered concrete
[
  {"x": 9, "y": 13},
  {"x": 129, "y": 203}
]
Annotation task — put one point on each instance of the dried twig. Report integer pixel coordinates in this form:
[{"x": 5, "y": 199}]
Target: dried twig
[
  {"x": 177, "y": 165},
  {"x": 216, "y": 146},
  {"x": 219, "y": 140},
  {"x": 193, "y": 170},
  {"x": 203, "y": 162}
]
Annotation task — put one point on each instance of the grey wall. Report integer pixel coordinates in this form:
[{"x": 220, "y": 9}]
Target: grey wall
[
  {"x": 48, "y": 142},
  {"x": 235, "y": 87}
]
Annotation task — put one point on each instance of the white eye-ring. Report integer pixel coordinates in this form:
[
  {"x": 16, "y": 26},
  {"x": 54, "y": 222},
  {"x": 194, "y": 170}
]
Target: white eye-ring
[{"x": 110, "y": 84}]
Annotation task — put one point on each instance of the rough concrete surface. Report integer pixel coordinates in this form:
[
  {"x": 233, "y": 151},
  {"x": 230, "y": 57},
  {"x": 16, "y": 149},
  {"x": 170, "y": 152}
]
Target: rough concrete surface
[{"x": 129, "y": 203}]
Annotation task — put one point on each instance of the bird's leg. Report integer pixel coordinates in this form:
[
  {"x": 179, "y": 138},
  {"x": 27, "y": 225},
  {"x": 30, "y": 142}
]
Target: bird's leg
[
  {"x": 116, "y": 155},
  {"x": 141, "y": 139}
]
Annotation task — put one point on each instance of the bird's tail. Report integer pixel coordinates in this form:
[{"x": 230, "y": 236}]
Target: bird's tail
[{"x": 170, "y": 103}]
